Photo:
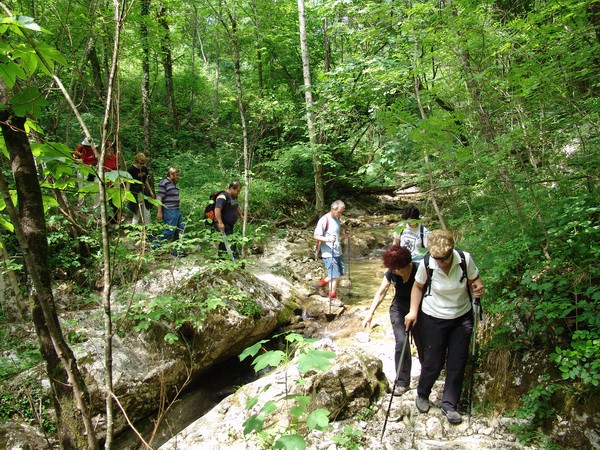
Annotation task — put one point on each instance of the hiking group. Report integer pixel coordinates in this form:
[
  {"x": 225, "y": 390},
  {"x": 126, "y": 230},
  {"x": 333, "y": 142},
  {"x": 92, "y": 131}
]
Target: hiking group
[
  {"x": 224, "y": 205},
  {"x": 437, "y": 290}
]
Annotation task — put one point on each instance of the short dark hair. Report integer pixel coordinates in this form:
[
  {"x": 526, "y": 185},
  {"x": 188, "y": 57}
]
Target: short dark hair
[
  {"x": 411, "y": 213},
  {"x": 235, "y": 185},
  {"x": 396, "y": 257}
]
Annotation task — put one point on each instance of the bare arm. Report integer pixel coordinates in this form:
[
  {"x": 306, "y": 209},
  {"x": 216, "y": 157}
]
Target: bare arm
[
  {"x": 219, "y": 219},
  {"x": 377, "y": 299},
  {"x": 477, "y": 287},
  {"x": 416, "y": 294}
]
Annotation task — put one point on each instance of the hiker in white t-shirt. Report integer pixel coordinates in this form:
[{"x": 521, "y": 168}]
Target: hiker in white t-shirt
[
  {"x": 329, "y": 233},
  {"x": 411, "y": 233},
  {"x": 441, "y": 302}
]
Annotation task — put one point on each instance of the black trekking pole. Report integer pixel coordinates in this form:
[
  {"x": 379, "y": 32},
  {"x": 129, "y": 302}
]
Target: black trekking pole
[
  {"x": 400, "y": 364},
  {"x": 477, "y": 312}
]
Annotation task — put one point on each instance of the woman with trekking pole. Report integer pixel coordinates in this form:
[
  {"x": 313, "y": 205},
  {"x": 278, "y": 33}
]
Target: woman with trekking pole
[
  {"x": 445, "y": 282},
  {"x": 401, "y": 273}
]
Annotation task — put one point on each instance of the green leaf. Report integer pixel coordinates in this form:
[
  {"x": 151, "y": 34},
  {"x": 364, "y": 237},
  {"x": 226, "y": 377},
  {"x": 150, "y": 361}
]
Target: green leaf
[
  {"x": 318, "y": 419},
  {"x": 298, "y": 411},
  {"x": 30, "y": 100},
  {"x": 254, "y": 423},
  {"x": 315, "y": 359},
  {"x": 252, "y": 401},
  {"x": 29, "y": 23},
  {"x": 6, "y": 224},
  {"x": 10, "y": 72},
  {"x": 291, "y": 442},
  {"x": 252, "y": 350},
  {"x": 272, "y": 358},
  {"x": 269, "y": 407}
]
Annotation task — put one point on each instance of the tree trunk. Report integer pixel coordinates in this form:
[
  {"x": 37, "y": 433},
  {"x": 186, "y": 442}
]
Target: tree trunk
[
  {"x": 71, "y": 401},
  {"x": 167, "y": 61},
  {"x": 145, "y": 85},
  {"x": 317, "y": 166}
]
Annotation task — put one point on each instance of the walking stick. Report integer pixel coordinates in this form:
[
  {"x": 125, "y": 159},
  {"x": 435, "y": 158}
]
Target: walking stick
[
  {"x": 400, "y": 364},
  {"x": 227, "y": 246},
  {"x": 349, "y": 280},
  {"x": 477, "y": 312}
]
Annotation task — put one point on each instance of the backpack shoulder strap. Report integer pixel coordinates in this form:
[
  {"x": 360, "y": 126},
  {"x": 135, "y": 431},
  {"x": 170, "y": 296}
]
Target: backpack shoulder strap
[
  {"x": 463, "y": 266},
  {"x": 422, "y": 241},
  {"x": 429, "y": 272}
]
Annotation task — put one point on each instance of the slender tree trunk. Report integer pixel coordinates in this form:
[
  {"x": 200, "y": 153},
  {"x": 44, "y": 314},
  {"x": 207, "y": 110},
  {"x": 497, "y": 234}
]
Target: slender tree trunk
[
  {"x": 240, "y": 100},
  {"x": 106, "y": 253},
  {"x": 317, "y": 166},
  {"x": 70, "y": 397},
  {"x": 167, "y": 61},
  {"x": 145, "y": 85},
  {"x": 327, "y": 43}
]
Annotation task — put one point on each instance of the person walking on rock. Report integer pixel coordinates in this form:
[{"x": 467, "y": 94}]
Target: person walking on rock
[
  {"x": 227, "y": 213},
  {"x": 168, "y": 211},
  {"x": 446, "y": 319},
  {"x": 328, "y": 231},
  {"x": 401, "y": 273},
  {"x": 411, "y": 233}
]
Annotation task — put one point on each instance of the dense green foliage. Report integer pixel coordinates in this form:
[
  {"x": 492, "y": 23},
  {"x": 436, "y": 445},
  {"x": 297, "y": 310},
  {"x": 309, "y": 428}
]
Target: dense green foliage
[{"x": 491, "y": 108}]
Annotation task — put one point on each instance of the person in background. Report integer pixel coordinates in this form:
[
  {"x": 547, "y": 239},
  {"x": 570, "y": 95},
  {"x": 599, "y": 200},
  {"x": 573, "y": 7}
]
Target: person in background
[
  {"x": 446, "y": 320},
  {"x": 328, "y": 231},
  {"x": 84, "y": 153},
  {"x": 169, "y": 209},
  {"x": 411, "y": 233},
  {"x": 401, "y": 273},
  {"x": 140, "y": 208},
  {"x": 227, "y": 213},
  {"x": 110, "y": 164}
]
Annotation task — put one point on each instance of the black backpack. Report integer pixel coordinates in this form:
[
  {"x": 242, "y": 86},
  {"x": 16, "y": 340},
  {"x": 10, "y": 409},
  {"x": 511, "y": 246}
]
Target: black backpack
[{"x": 209, "y": 211}]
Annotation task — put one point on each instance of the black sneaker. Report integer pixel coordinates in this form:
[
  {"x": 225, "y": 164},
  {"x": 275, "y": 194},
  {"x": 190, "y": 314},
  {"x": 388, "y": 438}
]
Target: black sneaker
[
  {"x": 422, "y": 404},
  {"x": 452, "y": 415}
]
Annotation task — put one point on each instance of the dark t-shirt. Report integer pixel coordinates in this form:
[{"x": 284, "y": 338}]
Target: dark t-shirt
[
  {"x": 141, "y": 175},
  {"x": 229, "y": 208},
  {"x": 402, "y": 295}
]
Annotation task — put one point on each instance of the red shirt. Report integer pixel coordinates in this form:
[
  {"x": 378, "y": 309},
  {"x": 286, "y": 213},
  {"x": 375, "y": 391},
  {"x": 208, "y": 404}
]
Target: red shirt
[
  {"x": 85, "y": 154},
  {"x": 110, "y": 163}
]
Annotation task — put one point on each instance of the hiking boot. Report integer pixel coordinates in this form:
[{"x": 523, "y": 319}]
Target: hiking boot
[
  {"x": 452, "y": 416},
  {"x": 320, "y": 288},
  {"x": 422, "y": 404},
  {"x": 400, "y": 390}
]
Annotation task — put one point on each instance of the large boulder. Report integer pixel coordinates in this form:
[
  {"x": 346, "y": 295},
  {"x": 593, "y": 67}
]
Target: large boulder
[
  {"x": 149, "y": 364},
  {"x": 354, "y": 381}
]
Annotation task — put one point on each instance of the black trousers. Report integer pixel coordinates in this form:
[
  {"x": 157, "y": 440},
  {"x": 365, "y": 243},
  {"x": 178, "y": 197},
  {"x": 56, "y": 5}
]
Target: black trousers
[
  {"x": 397, "y": 313},
  {"x": 445, "y": 341}
]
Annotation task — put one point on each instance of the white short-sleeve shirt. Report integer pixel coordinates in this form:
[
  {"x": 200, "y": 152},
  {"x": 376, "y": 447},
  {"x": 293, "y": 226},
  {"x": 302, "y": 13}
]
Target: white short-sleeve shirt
[
  {"x": 448, "y": 297},
  {"x": 328, "y": 226}
]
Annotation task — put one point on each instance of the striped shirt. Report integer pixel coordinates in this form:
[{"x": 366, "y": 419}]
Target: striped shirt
[{"x": 168, "y": 193}]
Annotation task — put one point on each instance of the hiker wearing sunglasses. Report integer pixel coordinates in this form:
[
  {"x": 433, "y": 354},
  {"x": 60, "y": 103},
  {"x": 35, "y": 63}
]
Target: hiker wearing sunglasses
[
  {"x": 441, "y": 303},
  {"x": 401, "y": 273}
]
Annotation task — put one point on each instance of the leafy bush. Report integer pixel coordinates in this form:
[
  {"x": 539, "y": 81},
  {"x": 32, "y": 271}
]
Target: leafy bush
[{"x": 301, "y": 417}]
